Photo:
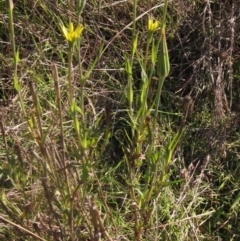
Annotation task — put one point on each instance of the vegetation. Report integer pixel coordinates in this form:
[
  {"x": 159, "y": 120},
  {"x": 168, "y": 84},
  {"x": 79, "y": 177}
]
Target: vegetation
[{"x": 119, "y": 120}]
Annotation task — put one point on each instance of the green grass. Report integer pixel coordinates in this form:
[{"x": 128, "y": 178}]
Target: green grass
[{"x": 96, "y": 141}]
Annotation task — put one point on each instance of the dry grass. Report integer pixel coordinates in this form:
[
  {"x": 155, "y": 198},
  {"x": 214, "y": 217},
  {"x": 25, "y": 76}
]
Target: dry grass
[{"x": 54, "y": 189}]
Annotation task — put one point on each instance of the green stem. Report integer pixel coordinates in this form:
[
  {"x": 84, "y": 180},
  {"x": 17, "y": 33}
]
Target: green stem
[
  {"x": 161, "y": 80},
  {"x": 82, "y": 82},
  {"x": 157, "y": 101},
  {"x": 134, "y": 27},
  {"x": 82, "y": 87},
  {"x": 130, "y": 85},
  {"x": 145, "y": 86},
  {"x": 70, "y": 89},
  {"x": 147, "y": 51},
  {"x": 164, "y": 12},
  {"x": 12, "y": 36},
  {"x": 17, "y": 85}
]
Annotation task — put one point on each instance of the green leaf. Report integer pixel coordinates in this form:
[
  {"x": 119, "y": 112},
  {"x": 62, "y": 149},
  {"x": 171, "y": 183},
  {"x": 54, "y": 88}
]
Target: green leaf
[
  {"x": 128, "y": 67},
  {"x": 85, "y": 172},
  {"x": 93, "y": 65},
  {"x": 154, "y": 53},
  {"x": 236, "y": 202},
  {"x": 172, "y": 183},
  {"x": 135, "y": 42},
  {"x": 163, "y": 66},
  {"x": 130, "y": 92},
  {"x": 80, "y": 6},
  {"x": 17, "y": 56},
  {"x": 16, "y": 83}
]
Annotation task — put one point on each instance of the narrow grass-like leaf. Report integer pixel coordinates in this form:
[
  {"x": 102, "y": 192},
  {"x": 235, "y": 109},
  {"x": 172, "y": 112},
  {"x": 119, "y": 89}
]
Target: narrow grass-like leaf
[
  {"x": 92, "y": 66},
  {"x": 135, "y": 42},
  {"x": 16, "y": 83},
  {"x": 80, "y": 6}
]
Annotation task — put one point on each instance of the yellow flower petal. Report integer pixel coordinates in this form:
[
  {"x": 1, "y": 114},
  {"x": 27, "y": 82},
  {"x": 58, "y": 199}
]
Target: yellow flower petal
[
  {"x": 152, "y": 25},
  {"x": 79, "y": 30},
  {"x": 150, "y": 22},
  {"x": 64, "y": 30},
  {"x": 70, "y": 34}
]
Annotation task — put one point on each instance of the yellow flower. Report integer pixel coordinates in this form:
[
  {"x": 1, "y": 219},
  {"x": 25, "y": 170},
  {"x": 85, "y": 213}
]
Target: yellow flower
[
  {"x": 152, "y": 25},
  {"x": 70, "y": 33}
]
